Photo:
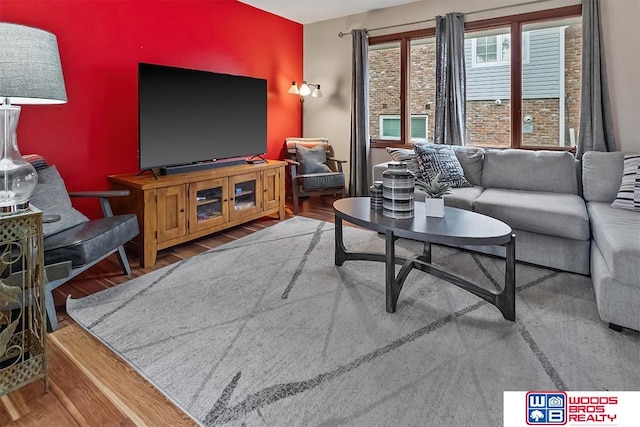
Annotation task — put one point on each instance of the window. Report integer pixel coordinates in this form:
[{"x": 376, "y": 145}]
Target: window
[
  {"x": 390, "y": 127},
  {"x": 401, "y": 89},
  {"x": 488, "y": 51},
  {"x": 532, "y": 103},
  {"x": 485, "y": 51}
]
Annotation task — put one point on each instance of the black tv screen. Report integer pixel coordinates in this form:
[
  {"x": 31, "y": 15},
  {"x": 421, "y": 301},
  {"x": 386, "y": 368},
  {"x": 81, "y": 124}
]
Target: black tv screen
[{"x": 188, "y": 116}]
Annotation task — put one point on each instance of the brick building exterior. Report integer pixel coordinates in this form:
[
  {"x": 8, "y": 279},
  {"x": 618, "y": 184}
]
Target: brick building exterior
[{"x": 488, "y": 124}]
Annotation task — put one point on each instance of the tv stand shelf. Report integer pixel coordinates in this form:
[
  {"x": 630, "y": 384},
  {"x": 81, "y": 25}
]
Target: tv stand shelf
[{"x": 174, "y": 209}]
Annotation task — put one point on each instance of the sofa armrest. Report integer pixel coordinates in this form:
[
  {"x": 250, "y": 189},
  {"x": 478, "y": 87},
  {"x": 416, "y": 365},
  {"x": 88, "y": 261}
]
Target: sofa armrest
[{"x": 378, "y": 170}]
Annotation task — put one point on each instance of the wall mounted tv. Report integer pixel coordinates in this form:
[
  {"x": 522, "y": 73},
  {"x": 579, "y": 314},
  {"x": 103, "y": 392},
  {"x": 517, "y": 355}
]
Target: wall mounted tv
[{"x": 198, "y": 118}]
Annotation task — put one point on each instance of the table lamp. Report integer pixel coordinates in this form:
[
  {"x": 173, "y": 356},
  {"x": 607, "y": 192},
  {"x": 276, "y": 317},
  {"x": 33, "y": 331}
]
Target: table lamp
[{"x": 30, "y": 73}]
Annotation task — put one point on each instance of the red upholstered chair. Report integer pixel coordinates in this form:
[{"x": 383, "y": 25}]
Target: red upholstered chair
[{"x": 313, "y": 169}]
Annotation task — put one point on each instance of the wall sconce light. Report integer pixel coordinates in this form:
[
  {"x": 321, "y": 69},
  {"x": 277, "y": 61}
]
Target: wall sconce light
[{"x": 305, "y": 90}]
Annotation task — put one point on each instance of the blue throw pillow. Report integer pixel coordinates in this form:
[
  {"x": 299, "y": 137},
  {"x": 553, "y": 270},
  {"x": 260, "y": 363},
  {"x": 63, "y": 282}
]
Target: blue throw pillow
[
  {"x": 50, "y": 196},
  {"x": 442, "y": 161}
]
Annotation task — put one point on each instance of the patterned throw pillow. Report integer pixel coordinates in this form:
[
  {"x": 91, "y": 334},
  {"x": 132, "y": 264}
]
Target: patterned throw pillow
[
  {"x": 408, "y": 156},
  {"x": 629, "y": 194},
  {"x": 444, "y": 162}
]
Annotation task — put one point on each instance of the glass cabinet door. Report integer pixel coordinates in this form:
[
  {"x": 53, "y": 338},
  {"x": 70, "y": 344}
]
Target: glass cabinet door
[
  {"x": 208, "y": 200},
  {"x": 246, "y": 195}
]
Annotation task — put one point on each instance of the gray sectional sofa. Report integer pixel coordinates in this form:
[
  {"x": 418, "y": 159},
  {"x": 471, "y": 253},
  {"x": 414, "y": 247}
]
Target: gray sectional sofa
[
  {"x": 615, "y": 244},
  {"x": 540, "y": 195}
]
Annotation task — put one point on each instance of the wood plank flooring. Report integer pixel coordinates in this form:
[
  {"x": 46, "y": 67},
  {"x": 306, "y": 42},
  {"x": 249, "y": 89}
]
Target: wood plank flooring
[{"x": 88, "y": 384}]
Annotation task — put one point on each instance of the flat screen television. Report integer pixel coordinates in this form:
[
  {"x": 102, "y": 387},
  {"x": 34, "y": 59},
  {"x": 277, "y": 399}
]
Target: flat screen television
[{"x": 190, "y": 116}]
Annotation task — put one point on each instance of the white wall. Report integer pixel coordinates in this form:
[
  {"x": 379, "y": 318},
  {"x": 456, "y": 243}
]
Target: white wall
[
  {"x": 620, "y": 20},
  {"x": 328, "y": 60}
]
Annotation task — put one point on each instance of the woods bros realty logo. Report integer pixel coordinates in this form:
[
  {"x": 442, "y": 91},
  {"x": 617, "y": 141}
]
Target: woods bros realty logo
[
  {"x": 558, "y": 408},
  {"x": 571, "y": 408}
]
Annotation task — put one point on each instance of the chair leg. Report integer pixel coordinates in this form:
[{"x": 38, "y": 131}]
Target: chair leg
[
  {"x": 124, "y": 262},
  {"x": 51, "y": 308},
  {"x": 295, "y": 202}
]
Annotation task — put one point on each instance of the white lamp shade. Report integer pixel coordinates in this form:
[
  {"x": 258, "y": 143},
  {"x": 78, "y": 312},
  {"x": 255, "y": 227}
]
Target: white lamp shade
[
  {"x": 305, "y": 89},
  {"x": 317, "y": 93},
  {"x": 294, "y": 89},
  {"x": 30, "y": 70}
]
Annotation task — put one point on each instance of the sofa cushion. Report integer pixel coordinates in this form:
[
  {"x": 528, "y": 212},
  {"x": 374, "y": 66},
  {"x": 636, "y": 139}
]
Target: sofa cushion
[
  {"x": 563, "y": 215},
  {"x": 441, "y": 162},
  {"x": 51, "y": 197},
  {"x": 628, "y": 196},
  {"x": 616, "y": 232},
  {"x": 601, "y": 175},
  {"x": 471, "y": 161},
  {"x": 546, "y": 171},
  {"x": 463, "y": 197}
]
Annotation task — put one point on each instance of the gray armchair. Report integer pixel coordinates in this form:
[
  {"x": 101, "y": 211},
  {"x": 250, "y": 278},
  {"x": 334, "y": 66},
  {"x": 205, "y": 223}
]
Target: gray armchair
[
  {"x": 72, "y": 242},
  {"x": 313, "y": 169}
]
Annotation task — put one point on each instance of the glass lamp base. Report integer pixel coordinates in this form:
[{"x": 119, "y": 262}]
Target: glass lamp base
[{"x": 18, "y": 178}]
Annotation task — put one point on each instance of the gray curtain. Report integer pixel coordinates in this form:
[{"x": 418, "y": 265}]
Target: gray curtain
[
  {"x": 596, "y": 122},
  {"x": 360, "y": 172},
  {"x": 451, "y": 111}
]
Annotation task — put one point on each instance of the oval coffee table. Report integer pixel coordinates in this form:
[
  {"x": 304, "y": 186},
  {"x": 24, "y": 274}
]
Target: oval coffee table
[{"x": 457, "y": 227}]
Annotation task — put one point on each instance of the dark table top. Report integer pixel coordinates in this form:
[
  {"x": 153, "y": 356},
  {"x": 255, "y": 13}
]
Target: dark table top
[{"x": 457, "y": 227}]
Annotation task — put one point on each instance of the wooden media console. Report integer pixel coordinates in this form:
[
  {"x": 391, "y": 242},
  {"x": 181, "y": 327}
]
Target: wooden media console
[{"x": 174, "y": 209}]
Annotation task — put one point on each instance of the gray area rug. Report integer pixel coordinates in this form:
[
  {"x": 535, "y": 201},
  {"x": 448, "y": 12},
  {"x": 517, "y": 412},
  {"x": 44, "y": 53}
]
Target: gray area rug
[{"x": 266, "y": 330}]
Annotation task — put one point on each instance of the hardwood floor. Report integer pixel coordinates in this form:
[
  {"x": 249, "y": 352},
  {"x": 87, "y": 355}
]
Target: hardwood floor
[{"x": 88, "y": 384}]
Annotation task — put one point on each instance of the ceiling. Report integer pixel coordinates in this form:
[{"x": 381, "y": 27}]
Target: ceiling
[{"x": 309, "y": 11}]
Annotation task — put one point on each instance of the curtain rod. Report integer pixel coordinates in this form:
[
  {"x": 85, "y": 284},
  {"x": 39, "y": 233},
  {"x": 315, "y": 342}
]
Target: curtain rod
[{"x": 341, "y": 34}]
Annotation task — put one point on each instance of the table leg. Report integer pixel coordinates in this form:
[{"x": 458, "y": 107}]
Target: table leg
[
  {"x": 390, "y": 271},
  {"x": 426, "y": 252},
  {"x": 507, "y": 299},
  {"x": 340, "y": 250}
]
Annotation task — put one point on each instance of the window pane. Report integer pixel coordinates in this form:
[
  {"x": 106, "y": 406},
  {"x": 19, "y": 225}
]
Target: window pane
[
  {"x": 488, "y": 93},
  {"x": 506, "y": 48},
  {"x": 422, "y": 96},
  {"x": 384, "y": 88},
  {"x": 419, "y": 128},
  {"x": 390, "y": 128},
  {"x": 551, "y": 84}
]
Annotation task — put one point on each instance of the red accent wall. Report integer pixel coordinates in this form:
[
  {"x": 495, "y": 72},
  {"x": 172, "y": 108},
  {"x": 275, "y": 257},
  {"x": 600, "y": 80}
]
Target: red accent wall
[{"x": 101, "y": 42}]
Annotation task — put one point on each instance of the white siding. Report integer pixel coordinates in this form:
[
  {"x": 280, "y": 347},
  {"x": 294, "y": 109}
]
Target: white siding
[{"x": 541, "y": 74}]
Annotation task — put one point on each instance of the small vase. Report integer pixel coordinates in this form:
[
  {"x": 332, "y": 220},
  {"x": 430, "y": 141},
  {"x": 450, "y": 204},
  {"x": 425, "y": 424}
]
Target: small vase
[
  {"x": 434, "y": 207},
  {"x": 375, "y": 193}
]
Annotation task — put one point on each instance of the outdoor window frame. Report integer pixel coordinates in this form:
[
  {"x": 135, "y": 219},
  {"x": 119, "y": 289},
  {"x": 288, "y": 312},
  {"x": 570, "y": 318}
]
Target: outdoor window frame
[{"x": 515, "y": 23}]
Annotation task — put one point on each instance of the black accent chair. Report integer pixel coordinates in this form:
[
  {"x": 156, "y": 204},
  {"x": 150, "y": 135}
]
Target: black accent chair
[
  {"x": 70, "y": 252},
  {"x": 324, "y": 177}
]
